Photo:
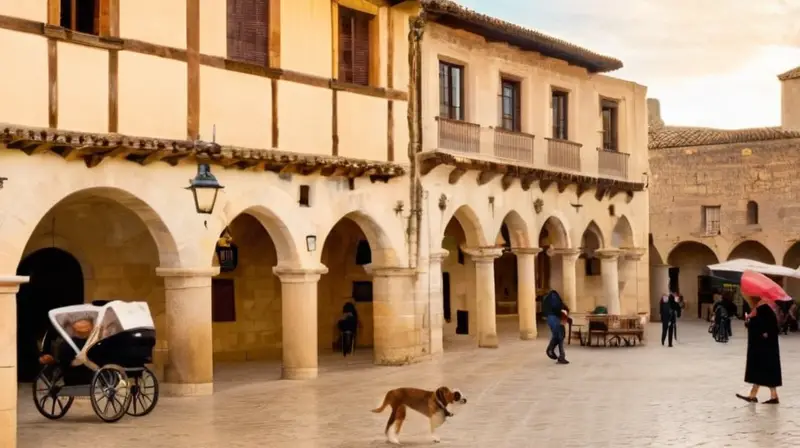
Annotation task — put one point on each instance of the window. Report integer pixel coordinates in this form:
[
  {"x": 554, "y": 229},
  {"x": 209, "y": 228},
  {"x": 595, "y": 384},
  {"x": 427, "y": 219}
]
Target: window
[
  {"x": 248, "y": 24},
  {"x": 560, "y": 106},
  {"x": 451, "y": 91},
  {"x": 710, "y": 219},
  {"x": 510, "y": 106},
  {"x": 305, "y": 196},
  {"x": 81, "y": 15},
  {"x": 363, "y": 253},
  {"x": 223, "y": 300},
  {"x": 609, "y": 109},
  {"x": 752, "y": 213},
  {"x": 354, "y": 46},
  {"x": 362, "y": 291},
  {"x": 591, "y": 266}
]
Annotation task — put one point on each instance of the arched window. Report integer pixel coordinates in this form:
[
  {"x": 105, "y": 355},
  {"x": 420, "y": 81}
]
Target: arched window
[{"x": 752, "y": 212}]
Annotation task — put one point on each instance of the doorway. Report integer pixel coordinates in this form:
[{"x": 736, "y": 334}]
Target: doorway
[{"x": 56, "y": 280}]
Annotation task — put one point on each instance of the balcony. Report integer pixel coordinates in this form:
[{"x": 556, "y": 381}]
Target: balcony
[
  {"x": 563, "y": 154},
  {"x": 611, "y": 163},
  {"x": 459, "y": 136},
  {"x": 513, "y": 145}
]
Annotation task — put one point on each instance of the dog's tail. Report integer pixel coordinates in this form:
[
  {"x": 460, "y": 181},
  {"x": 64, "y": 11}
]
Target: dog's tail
[{"x": 383, "y": 405}]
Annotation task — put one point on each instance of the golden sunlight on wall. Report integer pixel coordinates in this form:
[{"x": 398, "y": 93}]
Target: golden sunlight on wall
[
  {"x": 305, "y": 118},
  {"x": 239, "y": 105},
  {"x": 25, "y": 9},
  {"x": 152, "y": 96},
  {"x": 156, "y": 21},
  {"x": 213, "y": 27},
  {"x": 306, "y": 48},
  {"x": 335, "y": 287},
  {"x": 82, "y": 88},
  {"x": 257, "y": 332},
  {"x": 28, "y": 86},
  {"x": 357, "y": 139}
]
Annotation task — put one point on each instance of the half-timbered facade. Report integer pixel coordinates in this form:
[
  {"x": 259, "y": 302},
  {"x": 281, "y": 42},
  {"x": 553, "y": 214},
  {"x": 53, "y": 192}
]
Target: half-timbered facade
[{"x": 432, "y": 165}]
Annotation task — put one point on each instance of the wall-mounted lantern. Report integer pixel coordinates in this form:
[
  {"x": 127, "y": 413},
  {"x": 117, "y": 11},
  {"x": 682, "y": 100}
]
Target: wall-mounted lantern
[
  {"x": 311, "y": 243},
  {"x": 204, "y": 188}
]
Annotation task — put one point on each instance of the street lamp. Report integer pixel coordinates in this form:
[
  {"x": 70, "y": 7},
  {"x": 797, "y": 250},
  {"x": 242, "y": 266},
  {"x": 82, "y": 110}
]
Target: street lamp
[{"x": 204, "y": 186}]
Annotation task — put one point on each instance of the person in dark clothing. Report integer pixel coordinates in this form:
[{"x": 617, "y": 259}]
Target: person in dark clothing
[
  {"x": 731, "y": 309},
  {"x": 669, "y": 313},
  {"x": 63, "y": 353},
  {"x": 763, "y": 366},
  {"x": 554, "y": 308},
  {"x": 348, "y": 328}
]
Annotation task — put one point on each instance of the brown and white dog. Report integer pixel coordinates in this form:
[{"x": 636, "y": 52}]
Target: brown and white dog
[{"x": 430, "y": 404}]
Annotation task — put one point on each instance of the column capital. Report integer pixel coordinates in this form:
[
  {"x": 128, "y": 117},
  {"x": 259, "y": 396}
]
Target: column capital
[
  {"x": 10, "y": 284},
  {"x": 608, "y": 254},
  {"x": 634, "y": 253},
  {"x": 210, "y": 271},
  {"x": 299, "y": 275},
  {"x": 439, "y": 255},
  {"x": 390, "y": 271},
  {"x": 483, "y": 254},
  {"x": 526, "y": 250},
  {"x": 564, "y": 252}
]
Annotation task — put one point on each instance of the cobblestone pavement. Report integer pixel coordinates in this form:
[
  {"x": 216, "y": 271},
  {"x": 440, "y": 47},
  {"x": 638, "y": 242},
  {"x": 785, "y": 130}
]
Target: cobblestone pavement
[{"x": 639, "y": 397}]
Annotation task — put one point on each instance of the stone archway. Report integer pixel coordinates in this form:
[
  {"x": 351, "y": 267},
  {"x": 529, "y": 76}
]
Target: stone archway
[
  {"x": 622, "y": 234},
  {"x": 513, "y": 276},
  {"x": 555, "y": 264},
  {"x": 588, "y": 269},
  {"x": 462, "y": 231},
  {"x": 363, "y": 271},
  {"x": 791, "y": 259},
  {"x": 56, "y": 280},
  {"x": 752, "y": 250},
  {"x": 688, "y": 261}
]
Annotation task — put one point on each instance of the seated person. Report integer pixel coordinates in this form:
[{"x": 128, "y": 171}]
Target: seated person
[{"x": 80, "y": 330}]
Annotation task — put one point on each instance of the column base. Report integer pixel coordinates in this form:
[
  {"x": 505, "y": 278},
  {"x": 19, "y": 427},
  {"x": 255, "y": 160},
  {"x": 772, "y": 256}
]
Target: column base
[
  {"x": 527, "y": 335},
  {"x": 488, "y": 341},
  {"x": 187, "y": 390},
  {"x": 299, "y": 373},
  {"x": 399, "y": 357}
]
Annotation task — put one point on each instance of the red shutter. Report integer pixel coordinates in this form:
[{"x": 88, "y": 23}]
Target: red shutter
[{"x": 247, "y": 31}]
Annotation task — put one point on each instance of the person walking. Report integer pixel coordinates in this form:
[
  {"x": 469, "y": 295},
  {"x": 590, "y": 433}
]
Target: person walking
[
  {"x": 669, "y": 312},
  {"x": 763, "y": 365},
  {"x": 553, "y": 308}
]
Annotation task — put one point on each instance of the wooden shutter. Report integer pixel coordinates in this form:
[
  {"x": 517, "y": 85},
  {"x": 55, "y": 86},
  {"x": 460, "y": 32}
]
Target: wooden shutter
[
  {"x": 354, "y": 46},
  {"x": 345, "y": 45},
  {"x": 248, "y": 26}
]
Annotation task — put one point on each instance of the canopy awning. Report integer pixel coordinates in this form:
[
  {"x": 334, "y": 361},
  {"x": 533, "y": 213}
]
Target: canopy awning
[{"x": 742, "y": 264}]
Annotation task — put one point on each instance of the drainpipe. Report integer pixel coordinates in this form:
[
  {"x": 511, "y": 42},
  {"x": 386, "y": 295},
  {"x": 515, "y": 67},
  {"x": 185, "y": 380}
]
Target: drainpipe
[{"x": 416, "y": 30}]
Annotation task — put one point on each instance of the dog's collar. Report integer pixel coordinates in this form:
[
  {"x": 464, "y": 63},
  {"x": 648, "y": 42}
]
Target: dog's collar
[{"x": 443, "y": 407}]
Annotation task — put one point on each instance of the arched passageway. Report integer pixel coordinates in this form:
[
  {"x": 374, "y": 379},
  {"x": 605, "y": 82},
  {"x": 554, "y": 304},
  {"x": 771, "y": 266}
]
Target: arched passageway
[
  {"x": 56, "y": 280},
  {"x": 752, "y": 250},
  {"x": 552, "y": 261},
  {"x": 588, "y": 271},
  {"x": 458, "y": 273},
  {"x": 688, "y": 264},
  {"x": 791, "y": 259}
]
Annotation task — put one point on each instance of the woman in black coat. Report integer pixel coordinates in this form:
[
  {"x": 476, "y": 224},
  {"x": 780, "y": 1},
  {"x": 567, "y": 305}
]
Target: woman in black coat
[{"x": 763, "y": 353}]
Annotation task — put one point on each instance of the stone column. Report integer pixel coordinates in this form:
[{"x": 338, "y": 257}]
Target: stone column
[
  {"x": 484, "y": 291},
  {"x": 526, "y": 291},
  {"x": 629, "y": 274},
  {"x": 609, "y": 270},
  {"x": 436, "y": 298},
  {"x": 8, "y": 359},
  {"x": 659, "y": 285},
  {"x": 398, "y": 334},
  {"x": 299, "y": 321},
  {"x": 569, "y": 292},
  {"x": 190, "y": 362}
]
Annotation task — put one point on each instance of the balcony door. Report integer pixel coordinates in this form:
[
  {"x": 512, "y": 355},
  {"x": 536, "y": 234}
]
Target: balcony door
[
  {"x": 451, "y": 91},
  {"x": 510, "y": 107},
  {"x": 609, "y": 110}
]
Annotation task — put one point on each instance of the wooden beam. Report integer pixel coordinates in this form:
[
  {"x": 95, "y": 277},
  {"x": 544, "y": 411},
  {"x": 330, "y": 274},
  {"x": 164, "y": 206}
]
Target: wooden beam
[
  {"x": 74, "y": 152},
  {"x": 113, "y": 91},
  {"x": 193, "y": 68},
  {"x": 527, "y": 181},
  {"x": 456, "y": 175},
  {"x": 334, "y": 40},
  {"x": 360, "y": 5},
  {"x": 599, "y": 192},
  {"x": 274, "y": 38},
  {"x": 153, "y": 157},
  {"x": 427, "y": 165},
  {"x": 561, "y": 186},
  {"x": 275, "y": 129},
  {"x": 582, "y": 188},
  {"x": 335, "y": 124},
  {"x": 119, "y": 152},
  {"x": 544, "y": 184},
  {"x": 628, "y": 196},
  {"x": 506, "y": 181},
  {"x": 52, "y": 78},
  {"x": 486, "y": 176}
]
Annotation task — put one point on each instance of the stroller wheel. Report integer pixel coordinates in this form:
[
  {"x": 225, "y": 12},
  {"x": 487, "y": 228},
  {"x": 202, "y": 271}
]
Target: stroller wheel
[
  {"x": 46, "y": 396},
  {"x": 110, "y": 393}
]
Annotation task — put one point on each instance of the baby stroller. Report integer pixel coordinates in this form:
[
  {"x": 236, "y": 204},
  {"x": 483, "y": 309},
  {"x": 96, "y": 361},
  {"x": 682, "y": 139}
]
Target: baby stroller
[
  {"x": 109, "y": 369},
  {"x": 719, "y": 328}
]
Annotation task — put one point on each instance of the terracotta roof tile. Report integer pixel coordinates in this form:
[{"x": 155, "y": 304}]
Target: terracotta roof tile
[
  {"x": 519, "y": 36},
  {"x": 791, "y": 74},
  {"x": 679, "y": 137}
]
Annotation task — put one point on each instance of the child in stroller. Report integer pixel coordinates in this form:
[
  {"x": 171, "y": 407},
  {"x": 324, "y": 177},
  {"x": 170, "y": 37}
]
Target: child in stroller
[{"x": 719, "y": 328}]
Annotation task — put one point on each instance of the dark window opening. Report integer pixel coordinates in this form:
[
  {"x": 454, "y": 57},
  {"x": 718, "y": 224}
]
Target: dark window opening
[
  {"x": 460, "y": 256},
  {"x": 351, "y": 183},
  {"x": 223, "y": 300},
  {"x": 305, "y": 196},
  {"x": 81, "y": 15},
  {"x": 560, "y": 108},
  {"x": 451, "y": 91},
  {"x": 363, "y": 253},
  {"x": 591, "y": 266},
  {"x": 752, "y": 213},
  {"x": 354, "y": 46},
  {"x": 362, "y": 291},
  {"x": 610, "y": 112},
  {"x": 446, "y": 304},
  {"x": 510, "y": 107},
  {"x": 248, "y": 27}
]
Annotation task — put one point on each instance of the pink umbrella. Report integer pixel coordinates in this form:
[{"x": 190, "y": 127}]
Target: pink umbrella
[{"x": 757, "y": 284}]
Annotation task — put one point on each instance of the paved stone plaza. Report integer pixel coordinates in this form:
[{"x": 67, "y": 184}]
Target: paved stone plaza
[{"x": 638, "y": 397}]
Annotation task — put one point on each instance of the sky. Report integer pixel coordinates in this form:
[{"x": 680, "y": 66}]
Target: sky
[{"x": 711, "y": 63}]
